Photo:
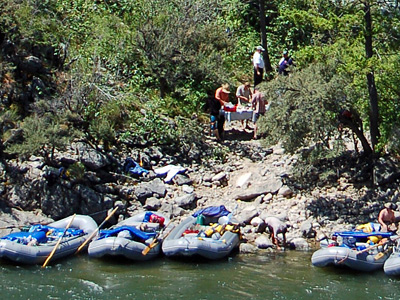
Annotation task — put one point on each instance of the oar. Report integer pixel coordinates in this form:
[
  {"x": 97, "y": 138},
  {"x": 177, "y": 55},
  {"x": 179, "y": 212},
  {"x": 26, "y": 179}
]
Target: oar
[
  {"x": 156, "y": 239},
  {"x": 12, "y": 227},
  {"x": 22, "y": 226},
  {"x": 381, "y": 242},
  {"x": 58, "y": 242},
  {"x": 382, "y": 254},
  {"x": 95, "y": 231}
]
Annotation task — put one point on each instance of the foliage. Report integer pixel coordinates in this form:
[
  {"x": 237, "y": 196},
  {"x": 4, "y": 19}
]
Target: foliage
[
  {"x": 41, "y": 137},
  {"x": 303, "y": 108},
  {"x": 76, "y": 171},
  {"x": 106, "y": 62}
]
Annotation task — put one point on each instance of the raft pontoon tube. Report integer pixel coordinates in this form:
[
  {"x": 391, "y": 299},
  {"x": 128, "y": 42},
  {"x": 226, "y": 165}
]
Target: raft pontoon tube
[
  {"x": 35, "y": 245},
  {"x": 129, "y": 238}
]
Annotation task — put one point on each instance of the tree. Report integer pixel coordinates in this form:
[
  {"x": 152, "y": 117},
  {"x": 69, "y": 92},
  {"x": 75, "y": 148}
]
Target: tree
[
  {"x": 359, "y": 38},
  {"x": 41, "y": 136},
  {"x": 304, "y": 109},
  {"x": 264, "y": 43},
  {"x": 182, "y": 42},
  {"x": 373, "y": 93}
]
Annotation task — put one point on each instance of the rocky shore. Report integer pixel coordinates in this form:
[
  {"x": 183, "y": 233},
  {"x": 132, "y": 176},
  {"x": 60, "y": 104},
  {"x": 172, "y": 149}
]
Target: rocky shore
[{"x": 255, "y": 182}]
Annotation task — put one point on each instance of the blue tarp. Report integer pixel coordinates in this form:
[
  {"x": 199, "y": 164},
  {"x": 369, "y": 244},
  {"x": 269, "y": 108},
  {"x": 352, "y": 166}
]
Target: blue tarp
[
  {"x": 212, "y": 211},
  {"x": 136, "y": 233},
  {"x": 361, "y": 234},
  {"x": 133, "y": 168},
  {"x": 40, "y": 233}
]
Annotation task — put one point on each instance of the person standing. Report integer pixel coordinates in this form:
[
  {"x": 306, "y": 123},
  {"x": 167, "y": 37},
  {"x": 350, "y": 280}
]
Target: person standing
[
  {"x": 258, "y": 104},
  {"x": 244, "y": 95},
  {"x": 258, "y": 64},
  {"x": 284, "y": 63},
  {"x": 222, "y": 96},
  {"x": 214, "y": 107}
]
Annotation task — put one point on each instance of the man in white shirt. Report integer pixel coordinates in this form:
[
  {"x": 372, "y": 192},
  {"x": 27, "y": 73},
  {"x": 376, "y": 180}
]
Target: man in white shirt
[{"x": 258, "y": 64}]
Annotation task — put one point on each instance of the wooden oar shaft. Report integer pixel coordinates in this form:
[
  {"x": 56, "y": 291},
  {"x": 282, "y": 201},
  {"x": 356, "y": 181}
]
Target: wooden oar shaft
[
  {"x": 95, "y": 231},
  {"x": 154, "y": 242},
  {"x": 381, "y": 243},
  {"x": 58, "y": 242}
]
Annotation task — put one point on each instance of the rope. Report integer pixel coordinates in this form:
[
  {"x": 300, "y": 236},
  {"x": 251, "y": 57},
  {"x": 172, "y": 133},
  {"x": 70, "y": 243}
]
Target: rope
[
  {"x": 343, "y": 259},
  {"x": 99, "y": 212}
]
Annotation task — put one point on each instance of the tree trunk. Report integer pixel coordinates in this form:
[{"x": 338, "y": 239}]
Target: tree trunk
[
  {"x": 263, "y": 31},
  {"x": 355, "y": 125},
  {"x": 373, "y": 94}
]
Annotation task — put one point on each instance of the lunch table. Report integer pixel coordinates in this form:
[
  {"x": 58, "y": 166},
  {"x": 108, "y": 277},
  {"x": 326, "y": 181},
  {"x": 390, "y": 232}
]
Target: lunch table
[{"x": 237, "y": 115}]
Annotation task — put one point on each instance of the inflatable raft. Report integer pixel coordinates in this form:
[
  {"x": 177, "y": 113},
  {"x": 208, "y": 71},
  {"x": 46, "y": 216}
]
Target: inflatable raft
[
  {"x": 392, "y": 264},
  {"x": 34, "y": 245},
  {"x": 355, "y": 250},
  {"x": 202, "y": 235},
  {"x": 130, "y": 238}
]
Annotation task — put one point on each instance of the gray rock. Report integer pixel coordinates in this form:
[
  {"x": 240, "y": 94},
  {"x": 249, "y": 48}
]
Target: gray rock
[
  {"x": 285, "y": 191},
  {"x": 181, "y": 179},
  {"x": 171, "y": 211},
  {"x": 89, "y": 200},
  {"x": 187, "y": 189},
  {"x": 263, "y": 242},
  {"x": 385, "y": 170},
  {"x": 59, "y": 201},
  {"x": 246, "y": 248},
  {"x": 299, "y": 244},
  {"x": 91, "y": 158},
  {"x": 256, "y": 221},
  {"x": 152, "y": 203},
  {"x": 155, "y": 187},
  {"x": 247, "y": 214},
  {"x": 185, "y": 201},
  {"x": 220, "y": 176},
  {"x": 306, "y": 229},
  {"x": 271, "y": 185}
]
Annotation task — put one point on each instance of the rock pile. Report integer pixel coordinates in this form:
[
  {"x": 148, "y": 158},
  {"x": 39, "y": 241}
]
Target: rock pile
[{"x": 252, "y": 181}]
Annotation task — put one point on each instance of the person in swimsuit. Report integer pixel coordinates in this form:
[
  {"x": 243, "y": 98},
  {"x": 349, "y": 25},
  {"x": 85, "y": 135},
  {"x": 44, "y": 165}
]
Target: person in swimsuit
[{"x": 387, "y": 218}]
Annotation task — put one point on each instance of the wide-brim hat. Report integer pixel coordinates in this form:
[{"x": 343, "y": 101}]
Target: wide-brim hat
[
  {"x": 389, "y": 205},
  {"x": 260, "y": 48}
]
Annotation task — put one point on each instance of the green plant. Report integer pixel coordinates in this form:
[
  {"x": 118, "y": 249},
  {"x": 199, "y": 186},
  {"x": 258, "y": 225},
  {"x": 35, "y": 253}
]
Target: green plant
[
  {"x": 76, "y": 171},
  {"x": 41, "y": 136}
]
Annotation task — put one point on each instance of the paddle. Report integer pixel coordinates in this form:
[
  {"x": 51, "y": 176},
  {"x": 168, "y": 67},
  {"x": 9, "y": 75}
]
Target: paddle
[
  {"x": 58, "y": 242},
  {"x": 156, "y": 240},
  {"x": 95, "y": 231},
  {"x": 381, "y": 242}
]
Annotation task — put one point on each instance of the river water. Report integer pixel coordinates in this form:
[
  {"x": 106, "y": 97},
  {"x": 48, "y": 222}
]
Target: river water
[{"x": 284, "y": 275}]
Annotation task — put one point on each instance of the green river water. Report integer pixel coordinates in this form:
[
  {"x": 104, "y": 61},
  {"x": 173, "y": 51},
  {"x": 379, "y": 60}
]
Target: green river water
[{"x": 284, "y": 275}]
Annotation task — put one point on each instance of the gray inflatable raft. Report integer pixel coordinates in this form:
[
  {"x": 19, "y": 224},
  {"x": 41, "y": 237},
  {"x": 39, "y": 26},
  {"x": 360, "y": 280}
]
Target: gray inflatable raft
[
  {"x": 13, "y": 248},
  {"x": 123, "y": 242},
  {"x": 392, "y": 264},
  {"x": 342, "y": 256},
  {"x": 193, "y": 244}
]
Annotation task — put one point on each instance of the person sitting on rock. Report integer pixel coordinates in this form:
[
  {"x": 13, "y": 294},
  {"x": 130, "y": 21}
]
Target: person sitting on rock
[
  {"x": 387, "y": 218},
  {"x": 276, "y": 226}
]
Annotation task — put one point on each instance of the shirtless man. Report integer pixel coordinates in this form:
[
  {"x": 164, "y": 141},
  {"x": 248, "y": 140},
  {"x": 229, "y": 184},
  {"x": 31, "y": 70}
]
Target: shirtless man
[
  {"x": 276, "y": 226},
  {"x": 387, "y": 219}
]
